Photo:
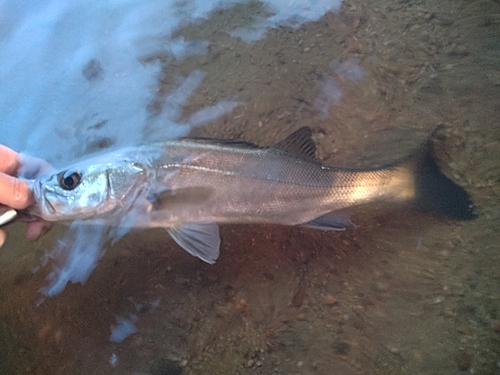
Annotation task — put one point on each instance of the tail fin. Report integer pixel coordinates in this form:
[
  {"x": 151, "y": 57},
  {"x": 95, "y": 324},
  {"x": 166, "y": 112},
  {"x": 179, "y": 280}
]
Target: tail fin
[{"x": 437, "y": 193}]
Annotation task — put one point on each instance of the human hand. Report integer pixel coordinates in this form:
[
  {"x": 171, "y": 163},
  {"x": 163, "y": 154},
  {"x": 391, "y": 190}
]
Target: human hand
[{"x": 15, "y": 192}]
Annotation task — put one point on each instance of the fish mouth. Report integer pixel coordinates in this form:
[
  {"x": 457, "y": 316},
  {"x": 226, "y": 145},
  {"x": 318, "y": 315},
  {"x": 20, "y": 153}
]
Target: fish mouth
[{"x": 40, "y": 196}]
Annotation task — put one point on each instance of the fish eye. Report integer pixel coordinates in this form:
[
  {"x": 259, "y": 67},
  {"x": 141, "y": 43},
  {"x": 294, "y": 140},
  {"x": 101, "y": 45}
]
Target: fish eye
[{"x": 69, "y": 180}]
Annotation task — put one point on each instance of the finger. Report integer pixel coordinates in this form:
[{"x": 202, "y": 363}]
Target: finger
[
  {"x": 3, "y": 237},
  {"x": 14, "y": 192},
  {"x": 31, "y": 167},
  {"x": 9, "y": 160},
  {"x": 36, "y": 229}
]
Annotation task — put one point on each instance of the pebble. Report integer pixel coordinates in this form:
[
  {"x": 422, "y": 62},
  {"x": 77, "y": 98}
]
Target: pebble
[
  {"x": 449, "y": 314},
  {"x": 393, "y": 350},
  {"x": 58, "y": 336},
  {"x": 438, "y": 299},
  {"x": 330, "y": 300},
  {"x": 301, "y": 316}
]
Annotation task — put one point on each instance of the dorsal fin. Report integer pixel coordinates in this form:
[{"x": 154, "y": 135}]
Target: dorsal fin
[{"x": 299, "y": 143}]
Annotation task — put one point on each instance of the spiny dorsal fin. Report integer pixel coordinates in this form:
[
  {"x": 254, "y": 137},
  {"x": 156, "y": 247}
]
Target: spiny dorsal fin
[{"x": 299, "y": 143}]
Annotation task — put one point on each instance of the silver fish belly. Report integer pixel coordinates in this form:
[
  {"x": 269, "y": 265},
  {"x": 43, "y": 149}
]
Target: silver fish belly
[{"x": 189, "y": 185}]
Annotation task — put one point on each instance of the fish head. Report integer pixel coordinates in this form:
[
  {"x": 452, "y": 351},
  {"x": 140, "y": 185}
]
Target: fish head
[{"x": 88, "y": 190}]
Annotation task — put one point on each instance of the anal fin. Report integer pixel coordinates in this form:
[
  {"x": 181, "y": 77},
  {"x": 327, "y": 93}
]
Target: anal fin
[{"x": 331, "y": 221}]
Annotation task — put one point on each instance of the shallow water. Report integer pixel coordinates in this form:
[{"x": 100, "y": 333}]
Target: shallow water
[{"x": 404, "y": 293}]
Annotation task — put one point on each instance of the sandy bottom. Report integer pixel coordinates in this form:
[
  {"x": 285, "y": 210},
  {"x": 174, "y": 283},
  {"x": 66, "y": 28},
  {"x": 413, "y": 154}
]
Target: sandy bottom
[{"x": 404, "y": 293}]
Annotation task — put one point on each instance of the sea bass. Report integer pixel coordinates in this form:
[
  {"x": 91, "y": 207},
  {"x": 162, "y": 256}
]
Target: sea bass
[{"x": 189, "y": 185}]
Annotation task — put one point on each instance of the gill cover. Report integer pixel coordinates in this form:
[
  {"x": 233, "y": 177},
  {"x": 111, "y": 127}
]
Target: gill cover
[{"x": 86, "y": 190}]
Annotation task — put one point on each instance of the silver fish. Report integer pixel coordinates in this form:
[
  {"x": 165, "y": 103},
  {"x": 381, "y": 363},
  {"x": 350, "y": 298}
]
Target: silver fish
[{"x": 189, "y": 185}]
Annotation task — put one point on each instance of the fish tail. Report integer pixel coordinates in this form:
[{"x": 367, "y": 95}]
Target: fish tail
[{"x": 434, "y": 191}]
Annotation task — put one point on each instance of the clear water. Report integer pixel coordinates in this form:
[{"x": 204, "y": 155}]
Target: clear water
[{"x": 404, "y": 293}]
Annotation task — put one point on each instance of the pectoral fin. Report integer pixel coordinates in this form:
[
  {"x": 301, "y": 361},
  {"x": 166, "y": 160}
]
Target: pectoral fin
[
  {"x": 168, "y": 198},
  {"x": 200, "y": 240},
  {"x": 331, "y": 221}
]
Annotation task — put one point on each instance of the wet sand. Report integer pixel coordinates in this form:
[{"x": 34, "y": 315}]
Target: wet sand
[{"x": 404, "y": 293}]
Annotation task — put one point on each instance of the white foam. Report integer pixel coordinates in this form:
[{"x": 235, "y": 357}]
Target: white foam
[
  {"x": 291, "y": 13},
  {"x": 123, "y": 328}
]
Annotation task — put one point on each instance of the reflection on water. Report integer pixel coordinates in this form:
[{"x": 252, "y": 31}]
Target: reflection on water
[
  {"x": 85, "y": 74},
  {"x": 81, "y": 75},
  {"x": 403, "y": 292},
  {"x": 290, "y": 13}
]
